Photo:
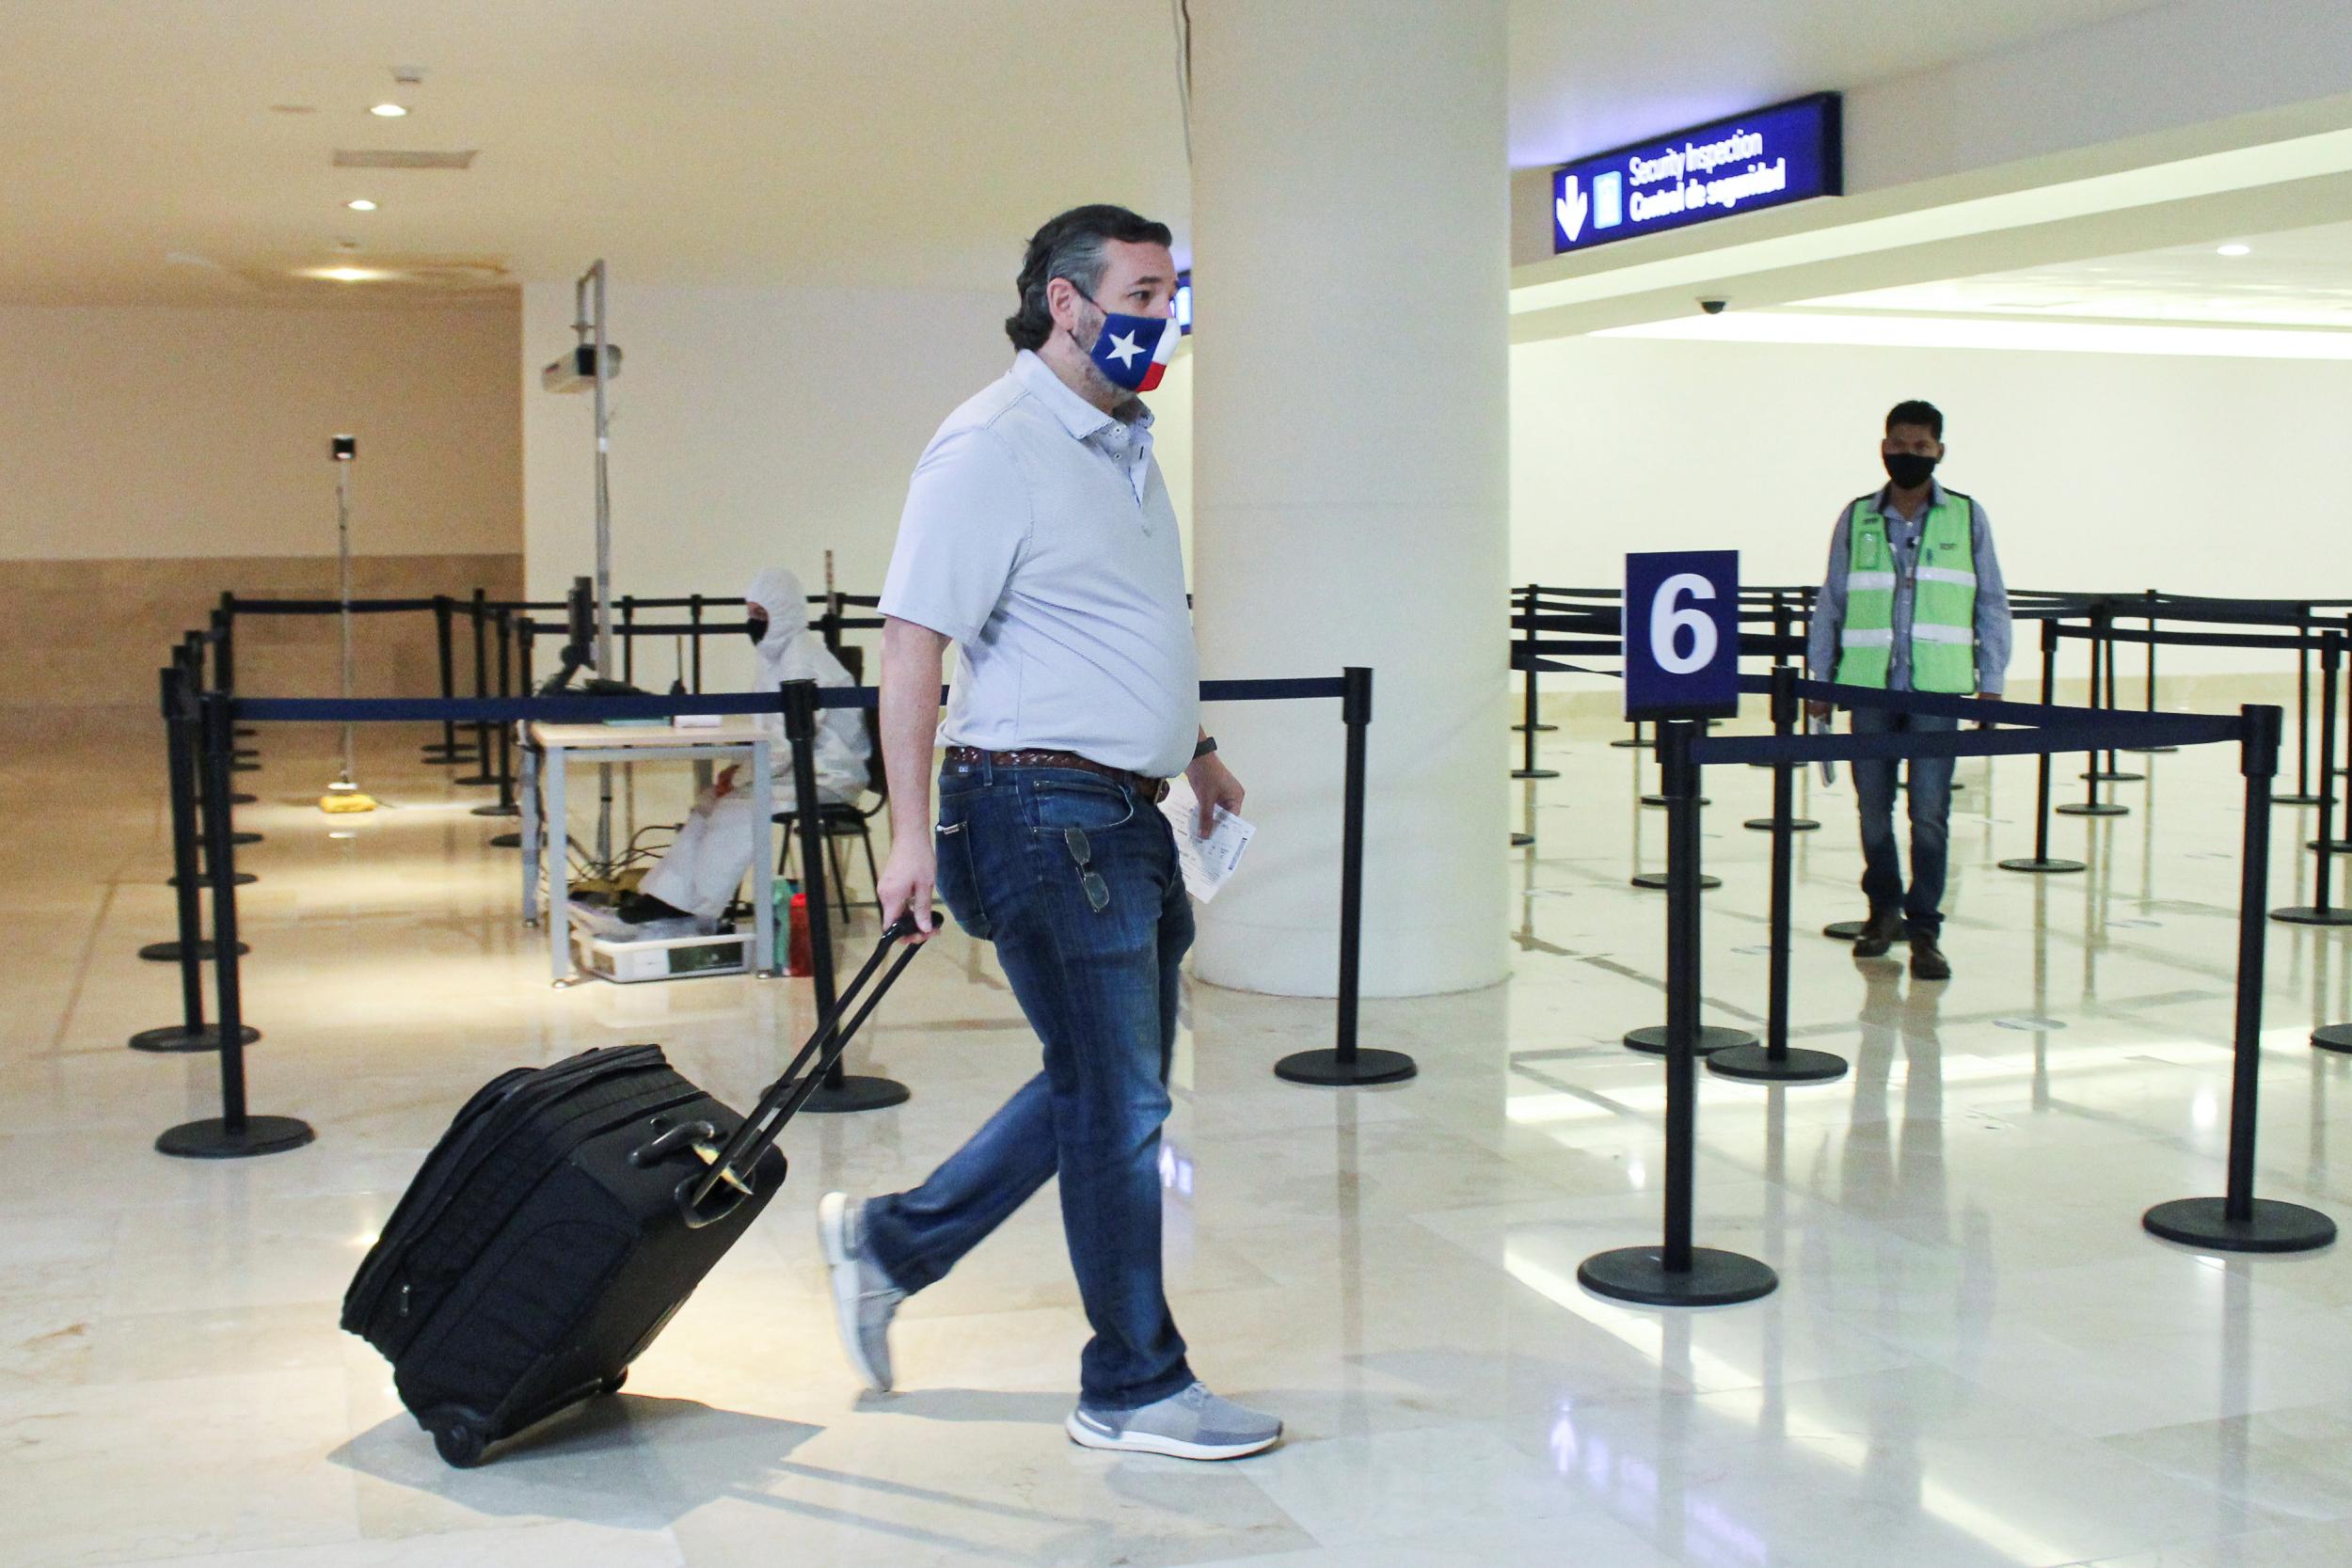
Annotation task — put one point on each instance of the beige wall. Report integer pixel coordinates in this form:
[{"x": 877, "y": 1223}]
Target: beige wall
[{"x": 152, "y": 457}]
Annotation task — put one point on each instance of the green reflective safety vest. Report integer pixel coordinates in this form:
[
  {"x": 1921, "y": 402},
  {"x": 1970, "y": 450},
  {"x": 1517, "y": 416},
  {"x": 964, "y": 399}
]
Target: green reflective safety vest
[{"x": 1943, "y": 603}]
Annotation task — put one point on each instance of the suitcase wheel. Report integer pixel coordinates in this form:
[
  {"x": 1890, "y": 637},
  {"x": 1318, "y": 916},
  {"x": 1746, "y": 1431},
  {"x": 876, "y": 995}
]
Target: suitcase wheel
[
  {"x": 614, "y": 1384},
  {"x": 459, "y": 1444}
]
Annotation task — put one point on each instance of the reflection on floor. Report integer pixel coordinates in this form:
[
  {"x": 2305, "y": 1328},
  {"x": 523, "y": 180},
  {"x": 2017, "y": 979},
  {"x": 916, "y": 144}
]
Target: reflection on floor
[{"x": 1975, "y": 1357}]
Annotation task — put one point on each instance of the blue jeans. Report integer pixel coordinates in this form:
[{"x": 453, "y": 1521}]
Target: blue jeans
[
  {"x": 1074, "y": 879},
  {"x": 1930, "y": 821}
]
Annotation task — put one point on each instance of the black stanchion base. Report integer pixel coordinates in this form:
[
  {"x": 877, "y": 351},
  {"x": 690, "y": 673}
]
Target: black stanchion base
[
  {"x": 1329, "y": 1070},
  {"x": 2310, "y": 915},
  {"x": 1661, "y": 800},
  {"x": 857, "y": 1092},
  {"x": 1539, "y": 729},
  {"x": 2204, "y": 1222},
  {"x": 240, "y": 880},
  {"x": 2091, "y": 808},
  {"x": 244, "y": 835},
  {"x": 245, "y": 732},
  {"x": 1534, "y": 773},
  {"x": 245, "y": 768},
  {"x": 1520, "y": 841},
  {"x": 1754, "y": 1064},
  {"x": 2109, "y": 775},
  {"x": 1651, "y": 1039},
  {"x": 496, "y": 808},
  {"x": 213, "y": 1138},
  {"x": 1656, "y": 881},
  {"x": 506, "y": 840},
  {"x": 1634, "y": 744},
  {"x": 2294, "y": 799},
  {"x": 1639, "y": 1274},
  {"x": 244, "y": 754},
  {"x": 1796, "y": 824},
  {"x": 442, "y": 750},
  {"x": 2026, "y": 863},
  {"x": 168, "y": 952},
  {"x": 2149, "y": 751},
  {"x": 242, "y": 798},
  {"x": 2333, "y": 846},
  {"x": 477, "y": 779},
  {"x": 2333, "y": 1036},
  {"x": 176, "y": 1037}
]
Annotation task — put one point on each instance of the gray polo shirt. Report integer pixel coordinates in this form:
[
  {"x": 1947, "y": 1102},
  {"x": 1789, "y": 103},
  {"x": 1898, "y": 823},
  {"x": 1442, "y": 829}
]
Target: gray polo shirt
[{"x": 1039, "y": 535}]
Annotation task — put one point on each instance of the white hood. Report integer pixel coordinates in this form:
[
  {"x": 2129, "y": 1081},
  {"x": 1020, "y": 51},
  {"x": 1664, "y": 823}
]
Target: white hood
[{"x": 790, "y": 652}]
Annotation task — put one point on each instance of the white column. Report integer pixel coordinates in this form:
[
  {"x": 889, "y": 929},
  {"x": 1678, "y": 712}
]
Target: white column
[{"x": 1351, "y": 216}]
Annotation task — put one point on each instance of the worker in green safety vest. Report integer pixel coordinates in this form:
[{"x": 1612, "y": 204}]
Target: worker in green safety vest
[{"x": 1914, "y": 601}]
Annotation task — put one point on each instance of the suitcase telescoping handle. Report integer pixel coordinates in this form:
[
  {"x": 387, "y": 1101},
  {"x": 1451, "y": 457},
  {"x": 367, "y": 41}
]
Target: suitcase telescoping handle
[{"x": 709, "y": 1196}]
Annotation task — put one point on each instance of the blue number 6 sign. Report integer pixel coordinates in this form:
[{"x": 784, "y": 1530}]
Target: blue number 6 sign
[{"x": 1682, "y": 634}]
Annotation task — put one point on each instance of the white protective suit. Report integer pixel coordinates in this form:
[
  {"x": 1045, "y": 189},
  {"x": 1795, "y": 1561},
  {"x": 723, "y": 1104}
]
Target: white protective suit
[{"x": 715, "y": 849}]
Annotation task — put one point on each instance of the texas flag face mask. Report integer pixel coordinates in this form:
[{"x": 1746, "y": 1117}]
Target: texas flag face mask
[{"x": 1133, "y": 351}]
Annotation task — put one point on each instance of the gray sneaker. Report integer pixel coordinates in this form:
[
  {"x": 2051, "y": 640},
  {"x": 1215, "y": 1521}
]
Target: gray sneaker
[
  {"x": 864, "y": 1300},
  {"x": 1192, "y": 1423}
]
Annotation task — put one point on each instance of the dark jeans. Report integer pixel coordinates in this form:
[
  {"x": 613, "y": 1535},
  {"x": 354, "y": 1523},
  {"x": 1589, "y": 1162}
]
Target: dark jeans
[
  {"x": 1930, "y": 821},
  {"x": 1074, "y": 879}
]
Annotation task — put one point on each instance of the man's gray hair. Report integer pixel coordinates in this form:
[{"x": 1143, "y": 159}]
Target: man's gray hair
[{"x": 1076, "y": 246}]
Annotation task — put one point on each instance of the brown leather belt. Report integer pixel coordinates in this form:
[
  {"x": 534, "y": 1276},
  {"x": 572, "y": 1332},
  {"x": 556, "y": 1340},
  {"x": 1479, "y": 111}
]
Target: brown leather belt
[{"x": 1154, "y": 790}]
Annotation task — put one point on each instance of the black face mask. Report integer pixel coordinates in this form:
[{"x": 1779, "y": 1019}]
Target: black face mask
[
  {"x": 1908, "y": 469},
  {"x": 757, "y": 629}
]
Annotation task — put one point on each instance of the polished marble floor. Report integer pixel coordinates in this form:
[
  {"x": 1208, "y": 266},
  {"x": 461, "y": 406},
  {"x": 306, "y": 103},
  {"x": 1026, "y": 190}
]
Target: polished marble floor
[{"x": 1975, "y": 1357}]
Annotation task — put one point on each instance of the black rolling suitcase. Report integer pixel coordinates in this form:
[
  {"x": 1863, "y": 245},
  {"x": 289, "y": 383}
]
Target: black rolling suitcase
[{"x": 568, "y": 1212}]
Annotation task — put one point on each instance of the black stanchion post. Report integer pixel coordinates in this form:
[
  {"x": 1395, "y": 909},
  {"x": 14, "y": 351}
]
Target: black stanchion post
[
  {"x": 2239, "y": 1221},
  {"x": 694, "y": 615},
  {"x": 2105, "y": 768},
  {"x": 629, "y": 643},
  {"x": 2322, "y": 909},
  {"x": 191, "y": 1032},
  {"x": 2147, "y": 693},
  {"x": 479, "y": 609},
  {"x": 1532, "y": 723},
  {"x": 505, "y": 805},
  {"x": 2040, "y": 860},
  {"x": 1784, "y": 720},
  {"x": 210, "y": 803},
  {"x": 224, "y": 623},
  {"x": 1527, "y": 768},
  {"x": 2302, "y": 795},
  {"x": 1345, "y": 1064},
  {"x": 234, "y": 1134},
  {"x": 1773, "y": 1062},
  {"x": 840, "y": 1092},
  {"x": 2090, "y": 805},
  {"x": 228, "y": 609},
  {"x": 446, "y": 749},
  {"x": 1676, "y": 1274}
]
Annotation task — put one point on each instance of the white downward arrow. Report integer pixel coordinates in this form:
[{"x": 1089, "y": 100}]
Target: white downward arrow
[{"x": 1571, "y": 210}]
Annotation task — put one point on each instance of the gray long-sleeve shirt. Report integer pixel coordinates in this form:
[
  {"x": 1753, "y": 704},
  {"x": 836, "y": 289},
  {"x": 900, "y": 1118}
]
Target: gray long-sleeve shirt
[{"x": 1902, "y": 539}]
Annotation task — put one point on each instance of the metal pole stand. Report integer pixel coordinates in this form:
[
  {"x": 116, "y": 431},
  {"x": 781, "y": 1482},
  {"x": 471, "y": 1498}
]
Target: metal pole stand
[
  {"x": 2090, "y": 805},
  {"x": 1773, "y": 1062},
  {"x": 1678, "y": 1273},
  {"x": 2324, "y": 911},
  {"x": 1634, "y": 742},
  {"x": 1782, "y": 727},
  {"x": 840, "y": 1092},
  {"x": 1532, "y": 723},
  {"x": 1709, "y": 1037},
  {"x": 2040, "y": 859},
  {"x": 479, "y": 745},
  {"x": 449, "y": 749},
  {"x": 1527, "y": 768},
  {"x": 2147, "y": 693},
  {"x": 2108, "y": 773},
  {"x": 1345, "y": 1066},
  {"x": 234, "y": 1134},
  {"x": 505, "y": 804},
  {"x": 2240, "y": 1222},
  {"x": 191, "y": 1032},
  {"x": 2302, "y": 795}
]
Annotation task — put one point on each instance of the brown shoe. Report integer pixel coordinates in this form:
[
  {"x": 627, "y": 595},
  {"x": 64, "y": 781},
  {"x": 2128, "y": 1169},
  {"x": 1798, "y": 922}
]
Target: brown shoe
[
  {"x": 1880, "y": 932},
  {"x": 1927, "y": 959}
]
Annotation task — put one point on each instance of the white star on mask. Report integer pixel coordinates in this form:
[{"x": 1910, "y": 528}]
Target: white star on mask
[{"x": 1124, "y": 349}]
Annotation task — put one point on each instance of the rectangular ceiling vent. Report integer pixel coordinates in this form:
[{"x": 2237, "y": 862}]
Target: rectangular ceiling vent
[{"x": 370, "y": 158}]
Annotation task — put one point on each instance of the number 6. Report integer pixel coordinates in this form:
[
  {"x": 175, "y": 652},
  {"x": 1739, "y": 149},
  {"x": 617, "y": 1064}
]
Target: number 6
[{"x": 1664, "y": 619}]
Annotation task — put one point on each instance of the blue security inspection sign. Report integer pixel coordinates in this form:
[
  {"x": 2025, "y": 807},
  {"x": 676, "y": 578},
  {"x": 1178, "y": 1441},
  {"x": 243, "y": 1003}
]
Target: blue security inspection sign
[
  {"x": 1682, "y": 634},
  {"x": 1791, "y": 151}
]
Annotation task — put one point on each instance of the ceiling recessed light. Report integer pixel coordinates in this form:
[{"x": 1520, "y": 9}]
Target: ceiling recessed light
[
  {"x": 389, "y": 111},
  {"x": 2236, "y": 251},
  {"x": 361, "y": 205},
  {"x": 345, "y": 274}
]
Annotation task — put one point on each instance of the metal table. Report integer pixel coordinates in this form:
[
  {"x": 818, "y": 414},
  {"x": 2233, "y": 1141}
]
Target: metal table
[{"x": 562, "y": 745}]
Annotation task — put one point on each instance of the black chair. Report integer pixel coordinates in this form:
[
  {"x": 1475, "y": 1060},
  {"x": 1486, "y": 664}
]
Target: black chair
[{"x": 837, "y": 820}]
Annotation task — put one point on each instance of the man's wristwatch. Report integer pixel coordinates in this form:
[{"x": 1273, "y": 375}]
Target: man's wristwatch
[{"x": 1207, "y": 744}]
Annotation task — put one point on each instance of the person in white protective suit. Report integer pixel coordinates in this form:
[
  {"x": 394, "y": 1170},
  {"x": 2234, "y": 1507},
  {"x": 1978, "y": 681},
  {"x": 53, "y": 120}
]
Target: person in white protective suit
[{"x": 714, "y": 848}]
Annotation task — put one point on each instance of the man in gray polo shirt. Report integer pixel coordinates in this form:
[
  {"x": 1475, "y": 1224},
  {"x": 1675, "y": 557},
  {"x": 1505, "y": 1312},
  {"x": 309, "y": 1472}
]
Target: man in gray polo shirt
[{"x": 1039, "y": 538}]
